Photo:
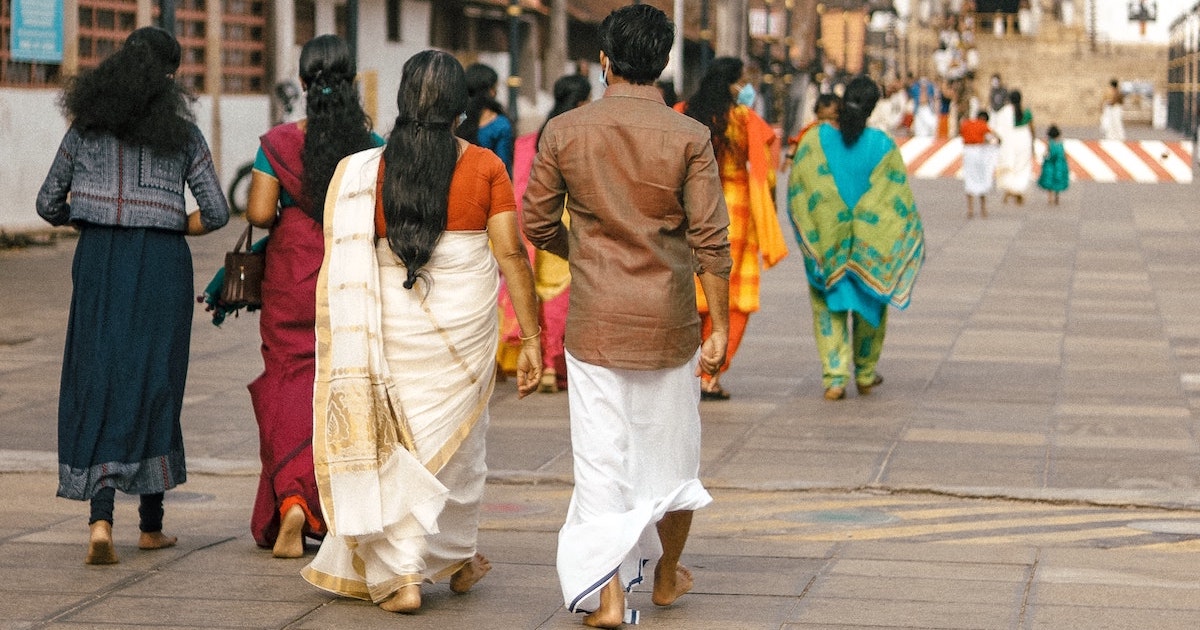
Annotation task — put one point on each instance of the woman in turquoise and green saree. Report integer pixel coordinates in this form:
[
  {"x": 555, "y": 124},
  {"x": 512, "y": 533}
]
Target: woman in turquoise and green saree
[{"x": 858, "y": 228}]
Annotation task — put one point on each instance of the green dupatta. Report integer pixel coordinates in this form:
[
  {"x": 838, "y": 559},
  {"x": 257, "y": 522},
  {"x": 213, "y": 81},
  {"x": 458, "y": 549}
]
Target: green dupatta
[{"x": 881, "y": 241}]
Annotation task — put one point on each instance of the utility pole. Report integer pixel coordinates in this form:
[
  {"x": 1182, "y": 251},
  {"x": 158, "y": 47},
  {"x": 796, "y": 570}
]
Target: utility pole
[
  {"x": 731, "y": 28},
  {"x": 514, "y": 58},
  {"x": 352, "y": 28},
  {"x": 166, "y": 15},
  {"x": 1092, "y": 24},
  {"x": 556, "y": 48},
  {"x": 706, "y": 39}
]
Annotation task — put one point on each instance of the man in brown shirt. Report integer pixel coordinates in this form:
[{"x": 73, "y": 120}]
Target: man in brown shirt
[{"x": 647, "y": 215}]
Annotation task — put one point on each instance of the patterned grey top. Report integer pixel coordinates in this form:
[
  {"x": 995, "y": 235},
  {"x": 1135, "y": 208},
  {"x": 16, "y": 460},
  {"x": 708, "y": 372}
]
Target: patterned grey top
[{"x": 118, "y": 184}]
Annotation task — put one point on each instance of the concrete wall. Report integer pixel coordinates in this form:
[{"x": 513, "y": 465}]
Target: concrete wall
[
  {"x": 30, "y": 131},
  {"x": 31, "y": 127},
  {"x": 384, "y": 60}
]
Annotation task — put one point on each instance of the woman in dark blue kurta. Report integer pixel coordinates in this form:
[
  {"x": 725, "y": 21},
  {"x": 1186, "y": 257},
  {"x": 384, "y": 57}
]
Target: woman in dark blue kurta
[{"x": 119, "y": 177}]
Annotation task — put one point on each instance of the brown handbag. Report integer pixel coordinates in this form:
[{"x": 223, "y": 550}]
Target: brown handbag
[{"x": 242, "y": 286}]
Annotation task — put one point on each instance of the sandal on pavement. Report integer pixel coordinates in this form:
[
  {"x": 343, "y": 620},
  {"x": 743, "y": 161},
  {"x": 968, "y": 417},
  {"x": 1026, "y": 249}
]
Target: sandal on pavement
[
  {"x": 864, "y": 389},
  {"x": 713, "y": 394},
  {"x": 835, "y": 393}
]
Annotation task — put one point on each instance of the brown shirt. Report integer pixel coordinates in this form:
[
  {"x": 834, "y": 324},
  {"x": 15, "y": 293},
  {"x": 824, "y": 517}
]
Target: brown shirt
[{"x": 641, "y": 186}]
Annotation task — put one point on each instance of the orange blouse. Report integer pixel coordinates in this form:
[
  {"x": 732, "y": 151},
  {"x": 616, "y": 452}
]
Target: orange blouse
[
  {"x": 973, "y": 131},
  {"x": 479, "y": 189}
]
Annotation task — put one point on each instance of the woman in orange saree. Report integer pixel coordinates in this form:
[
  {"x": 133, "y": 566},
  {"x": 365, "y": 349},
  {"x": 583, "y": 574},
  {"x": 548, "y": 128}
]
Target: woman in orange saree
[{"x": 746, "y": 147}]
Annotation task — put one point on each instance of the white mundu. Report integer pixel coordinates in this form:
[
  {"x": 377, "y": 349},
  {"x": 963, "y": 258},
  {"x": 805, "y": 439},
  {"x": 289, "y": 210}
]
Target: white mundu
[{"x": 636, "y": 435}]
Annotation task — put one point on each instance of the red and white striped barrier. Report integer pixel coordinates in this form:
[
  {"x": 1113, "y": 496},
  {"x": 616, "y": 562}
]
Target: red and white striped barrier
[{"x": 1145, "y": 161}]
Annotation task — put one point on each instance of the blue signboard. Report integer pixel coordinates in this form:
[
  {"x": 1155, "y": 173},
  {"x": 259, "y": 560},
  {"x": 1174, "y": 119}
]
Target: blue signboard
[{"x": 37, "y": 30}]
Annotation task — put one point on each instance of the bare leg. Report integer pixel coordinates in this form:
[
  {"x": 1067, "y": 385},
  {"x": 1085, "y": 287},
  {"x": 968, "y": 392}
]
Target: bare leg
[
  {"x": 470, "y": 573},
  {"x": 290, "y": 541},
  {"x": 406, "y": 600},
  {"x": 611, "y": 613},
  {"x": 671, "y": 579},
  {"x": 100, "y": 544},
  {"x": 983, "y": 206},
  {"x": 156, "y": 540},
  {"x": 970, "y": 206}
]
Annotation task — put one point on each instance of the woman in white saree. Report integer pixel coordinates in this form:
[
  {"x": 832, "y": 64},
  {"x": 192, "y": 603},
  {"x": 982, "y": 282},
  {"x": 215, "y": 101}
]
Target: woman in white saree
[
  {"x": 1014, "y": 166},
  {"x": 406, "y": 346}
]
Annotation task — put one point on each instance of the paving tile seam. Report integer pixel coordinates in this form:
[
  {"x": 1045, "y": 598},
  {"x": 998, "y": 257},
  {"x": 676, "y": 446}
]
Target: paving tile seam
[
  {"x": 1044, "y": 496},
  {"x": 1180, "y": 501}
]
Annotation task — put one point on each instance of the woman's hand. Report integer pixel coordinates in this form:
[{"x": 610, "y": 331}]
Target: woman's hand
[{"x": 529, "y": 367}]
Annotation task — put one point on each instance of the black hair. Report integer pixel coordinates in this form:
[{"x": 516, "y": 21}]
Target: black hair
[
  {"x": 983, "y": 115},
  {"x": 133, "y": 95},
  {"x": 825, "y": 100},
  {"x": 637, "y": 40},
  {"x": 569, "y": 92},
  {"x": 667, "y": 87},
  {"x": 1053, "y": 132},
  {"x": 858, "y": 101},
  {"x": 337, "y": 125},
  {"x": 711, "y": 102},
  {"x": 420, "y": 157},
  {"x": 1014, "y": 97},
  {"x": 480, "y": 79}
]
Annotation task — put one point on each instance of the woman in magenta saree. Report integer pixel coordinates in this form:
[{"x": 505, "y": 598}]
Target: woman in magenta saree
[{"x": 288, "y": 198}]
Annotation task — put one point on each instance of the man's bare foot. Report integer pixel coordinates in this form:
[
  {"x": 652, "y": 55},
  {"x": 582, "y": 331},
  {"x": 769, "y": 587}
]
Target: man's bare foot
[
  {"x": 611, "y": 613},
  {"x": 100, "y": 544},
  {"x": 290, "y": 541},
  {"x": 406, "y": 600},
  {"x": 156, "y": 540},
  {"x": 670, "y": 585}
]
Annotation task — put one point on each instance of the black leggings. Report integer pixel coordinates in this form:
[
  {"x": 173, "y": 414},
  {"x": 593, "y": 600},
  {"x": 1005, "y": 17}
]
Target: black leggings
[{"x": 150, "y": 510}]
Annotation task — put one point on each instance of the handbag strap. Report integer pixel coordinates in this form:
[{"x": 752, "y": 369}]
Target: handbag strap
[{"x": 244, "y": 240}]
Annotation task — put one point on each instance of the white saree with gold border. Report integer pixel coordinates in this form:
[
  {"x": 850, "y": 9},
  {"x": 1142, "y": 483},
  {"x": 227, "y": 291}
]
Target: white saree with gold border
[{"x": 400, "y": 399}]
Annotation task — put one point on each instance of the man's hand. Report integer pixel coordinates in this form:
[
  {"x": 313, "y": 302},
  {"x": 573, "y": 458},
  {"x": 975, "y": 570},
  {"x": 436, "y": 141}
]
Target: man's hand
[{"x": 712, "y": 353}]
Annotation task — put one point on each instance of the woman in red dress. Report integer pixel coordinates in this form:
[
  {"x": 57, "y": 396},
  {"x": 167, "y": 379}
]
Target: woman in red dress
[{"x": 287, "y": 195}]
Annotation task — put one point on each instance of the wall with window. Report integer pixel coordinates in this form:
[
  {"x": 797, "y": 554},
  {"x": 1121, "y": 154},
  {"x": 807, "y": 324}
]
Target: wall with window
[{"x": 259, "y": 44}]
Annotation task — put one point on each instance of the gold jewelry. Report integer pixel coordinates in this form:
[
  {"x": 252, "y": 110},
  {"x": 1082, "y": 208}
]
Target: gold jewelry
[{"x": 531, "y": 337}]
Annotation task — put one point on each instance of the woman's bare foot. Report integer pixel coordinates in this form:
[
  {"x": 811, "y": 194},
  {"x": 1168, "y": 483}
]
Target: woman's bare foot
[
  {"x": 290, "y": 541},
  {"x": 156, "y": 540},
  {"x": 100, "y": 544},
  {"x": 670, "y": 585},
  {"x": 406, "y": 600},
  {"x": 470, "y": 573},
  {"x": 611, "y": 613}
]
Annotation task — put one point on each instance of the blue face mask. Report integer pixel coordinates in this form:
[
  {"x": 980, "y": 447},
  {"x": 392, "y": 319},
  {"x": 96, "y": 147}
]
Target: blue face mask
[{"x": 746, "y": 95}]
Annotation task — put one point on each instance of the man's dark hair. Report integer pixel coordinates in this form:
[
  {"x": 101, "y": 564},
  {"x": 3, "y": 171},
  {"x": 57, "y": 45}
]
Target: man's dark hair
[{"x": 637, "y": 40}]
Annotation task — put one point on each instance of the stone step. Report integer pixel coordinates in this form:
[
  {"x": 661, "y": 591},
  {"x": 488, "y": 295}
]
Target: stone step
[{"x": 1062, "y": 78}]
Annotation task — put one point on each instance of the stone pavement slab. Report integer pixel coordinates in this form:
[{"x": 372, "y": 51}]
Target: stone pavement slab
[{"x": 1040, "y": 408}]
